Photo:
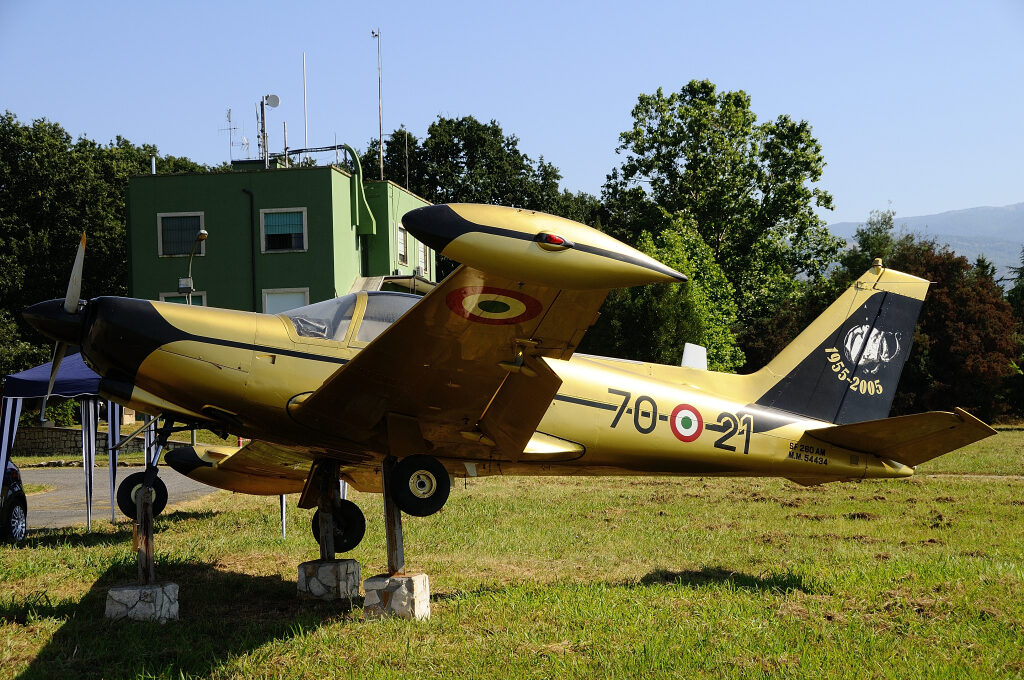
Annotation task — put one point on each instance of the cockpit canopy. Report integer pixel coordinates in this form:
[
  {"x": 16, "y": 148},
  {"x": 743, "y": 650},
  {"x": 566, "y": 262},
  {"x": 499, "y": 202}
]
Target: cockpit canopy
[{"x": 330, "y": 319}]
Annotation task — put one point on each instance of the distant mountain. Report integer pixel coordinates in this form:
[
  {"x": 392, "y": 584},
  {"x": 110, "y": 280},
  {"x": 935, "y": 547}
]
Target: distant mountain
[{"x": 996, "y": 233}]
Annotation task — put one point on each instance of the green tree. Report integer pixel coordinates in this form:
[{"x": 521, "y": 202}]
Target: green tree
[
  {"x": 1015, "y": 295},
  {"x": 875, "y": 238},
  {"x": 967, "y": 342},
  {"x": 748, "y": 188},
  {"x": 652, "y": 323},
  {"x": 51, "y": 190},
  {"x": 765, "y": 335}
]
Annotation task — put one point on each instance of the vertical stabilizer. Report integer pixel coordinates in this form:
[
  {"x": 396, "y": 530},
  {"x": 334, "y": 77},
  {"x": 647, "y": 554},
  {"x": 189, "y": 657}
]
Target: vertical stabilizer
[{"x": 845, "y": 366}]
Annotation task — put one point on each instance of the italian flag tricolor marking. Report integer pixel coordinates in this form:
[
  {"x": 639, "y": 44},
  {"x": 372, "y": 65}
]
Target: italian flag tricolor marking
[{"x": 686, "y": 423}]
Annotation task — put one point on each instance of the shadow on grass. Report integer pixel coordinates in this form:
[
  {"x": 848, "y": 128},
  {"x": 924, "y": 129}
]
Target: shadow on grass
[
  {"x": 122, "y": 533},
  {"x": 708, "y": 576},
  {"x": 222, "y": 615}
]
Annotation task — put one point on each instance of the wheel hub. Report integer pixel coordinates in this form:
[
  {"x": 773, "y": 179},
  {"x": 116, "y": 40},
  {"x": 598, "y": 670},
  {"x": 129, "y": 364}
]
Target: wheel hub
[
  {"x": 422, "y": 484},
  {"x": 18, "y": 524}
]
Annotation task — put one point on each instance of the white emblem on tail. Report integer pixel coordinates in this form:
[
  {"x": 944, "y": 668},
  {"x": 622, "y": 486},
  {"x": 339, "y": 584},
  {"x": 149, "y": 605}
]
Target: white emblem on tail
[{"x": 868, "y": 348}]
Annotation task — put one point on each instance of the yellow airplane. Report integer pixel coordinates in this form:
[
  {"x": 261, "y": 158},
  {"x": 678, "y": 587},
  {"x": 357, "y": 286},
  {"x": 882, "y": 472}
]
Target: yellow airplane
[{"x": 479, "y": 377}]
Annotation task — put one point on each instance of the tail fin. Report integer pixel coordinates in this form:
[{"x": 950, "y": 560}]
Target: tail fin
[{"x": 845, "y": 366}]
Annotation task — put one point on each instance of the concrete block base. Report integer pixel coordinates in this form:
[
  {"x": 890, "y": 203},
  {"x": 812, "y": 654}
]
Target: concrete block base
[
  {"x": 406, "y": 596},
  {"x": 329, "y": 579},
  {"x": 155, "y": 602}
]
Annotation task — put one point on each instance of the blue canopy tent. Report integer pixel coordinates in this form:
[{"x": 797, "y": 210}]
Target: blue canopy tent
[{"x": 74, "y": 380}]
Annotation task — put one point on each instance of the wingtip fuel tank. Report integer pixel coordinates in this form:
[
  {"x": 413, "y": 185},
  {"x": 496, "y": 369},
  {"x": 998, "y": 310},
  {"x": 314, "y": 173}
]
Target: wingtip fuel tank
[{"x": 532, "y": 246}]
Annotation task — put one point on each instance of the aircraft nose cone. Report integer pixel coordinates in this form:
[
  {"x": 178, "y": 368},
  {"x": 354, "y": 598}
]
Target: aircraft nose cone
[{"x": 50, "y": 319}]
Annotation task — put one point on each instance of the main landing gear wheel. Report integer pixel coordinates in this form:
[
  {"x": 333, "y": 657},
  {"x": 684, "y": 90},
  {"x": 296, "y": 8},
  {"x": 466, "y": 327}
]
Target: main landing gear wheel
[
  {"x": 420, "y": 485},
  {"x": 349, "y": 525},
  {"x": 128, "y": 490}
]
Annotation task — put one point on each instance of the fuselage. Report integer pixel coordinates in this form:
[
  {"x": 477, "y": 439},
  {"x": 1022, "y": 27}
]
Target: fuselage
[{"x": 244, "y": 373}]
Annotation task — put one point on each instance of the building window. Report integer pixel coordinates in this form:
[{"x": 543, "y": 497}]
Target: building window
[
  {"x": 198, "y": 298},
  {"x": 283, "y": 229},
  {"x": 421, "y": 259},
  {"x": 403, "y": 245},
  {"x": 176, "y": 232},
  {"x": 277, "y": 300}
]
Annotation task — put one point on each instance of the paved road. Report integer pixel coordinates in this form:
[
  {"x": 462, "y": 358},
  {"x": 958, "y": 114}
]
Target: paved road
[{"x": 64, "y": 506}]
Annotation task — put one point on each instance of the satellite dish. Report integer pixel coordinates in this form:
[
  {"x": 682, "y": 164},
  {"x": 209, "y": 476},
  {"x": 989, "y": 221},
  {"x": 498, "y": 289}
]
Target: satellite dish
[{"x": 273, "y": 100}]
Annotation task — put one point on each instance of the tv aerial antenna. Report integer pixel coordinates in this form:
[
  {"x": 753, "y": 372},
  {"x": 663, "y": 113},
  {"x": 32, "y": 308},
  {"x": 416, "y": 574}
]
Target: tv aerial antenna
[{"x": 232, "y": 145}]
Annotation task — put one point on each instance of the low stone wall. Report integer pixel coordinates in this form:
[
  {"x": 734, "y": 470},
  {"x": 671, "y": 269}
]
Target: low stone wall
[
  {"x": 66, "y": 442},
  {"x": 62, "y": 442}
]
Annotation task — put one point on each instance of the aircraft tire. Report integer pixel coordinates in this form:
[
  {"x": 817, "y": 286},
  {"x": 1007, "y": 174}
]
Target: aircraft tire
[
  {"x": 349, "y": 526},
  {"x": 128, "y": 489},
  {"x": 420, "y": 485}
]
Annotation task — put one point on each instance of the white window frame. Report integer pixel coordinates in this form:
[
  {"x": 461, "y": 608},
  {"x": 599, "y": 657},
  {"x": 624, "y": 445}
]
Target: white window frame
[
  {"x": 198, "y": 294},
  {"x": 402, "y": 243},
  {"x": 200, "y": 251},
  {"x": 284, "y": 290},
  {"x": 423, "y": 256},
  {"x": 305, "y": 230}
]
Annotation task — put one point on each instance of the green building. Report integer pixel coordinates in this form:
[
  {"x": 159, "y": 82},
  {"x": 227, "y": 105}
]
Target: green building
[{"x": 278, "y": 239}]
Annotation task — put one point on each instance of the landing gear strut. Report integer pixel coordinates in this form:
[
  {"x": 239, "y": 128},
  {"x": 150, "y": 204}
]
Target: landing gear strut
[{"x": 338, "y": 524}]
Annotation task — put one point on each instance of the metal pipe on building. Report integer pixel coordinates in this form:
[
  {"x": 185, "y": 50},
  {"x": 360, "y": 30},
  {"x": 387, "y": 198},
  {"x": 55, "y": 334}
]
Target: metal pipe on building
[{"x": 252, "y": 246}]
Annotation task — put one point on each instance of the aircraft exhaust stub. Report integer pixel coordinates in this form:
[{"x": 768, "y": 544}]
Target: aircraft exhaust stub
[{"x": 525, "y": 245}]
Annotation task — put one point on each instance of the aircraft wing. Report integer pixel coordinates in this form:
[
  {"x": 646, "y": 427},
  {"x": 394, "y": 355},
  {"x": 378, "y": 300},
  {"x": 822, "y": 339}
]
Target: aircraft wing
[
  {"x": 465, "y": 364},
  {"x": 257, "y": 468},
  {"x": 910, "y": 440}
]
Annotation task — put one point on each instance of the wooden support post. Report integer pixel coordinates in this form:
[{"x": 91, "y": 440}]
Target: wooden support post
[
  {"x": 144, "y": 512},
  {"x": 329, "y": 499},
  {"x": 392, "y": 522}
]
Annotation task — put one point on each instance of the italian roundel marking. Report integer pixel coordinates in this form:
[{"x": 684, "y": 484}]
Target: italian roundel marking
[
  {"x": 686, "y": 423},
  {"x": 497, "y": 306}
]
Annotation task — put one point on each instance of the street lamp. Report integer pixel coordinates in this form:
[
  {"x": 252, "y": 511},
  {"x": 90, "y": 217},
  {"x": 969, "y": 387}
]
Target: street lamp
[{"x": 185, "y": 284}]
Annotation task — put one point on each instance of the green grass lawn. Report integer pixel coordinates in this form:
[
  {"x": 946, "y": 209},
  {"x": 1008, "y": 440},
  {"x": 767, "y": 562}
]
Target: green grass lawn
[{"x": 568, "y": 577}]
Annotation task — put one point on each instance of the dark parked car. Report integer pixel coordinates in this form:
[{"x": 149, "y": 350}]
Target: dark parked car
[{"x": 13, "y": 507}]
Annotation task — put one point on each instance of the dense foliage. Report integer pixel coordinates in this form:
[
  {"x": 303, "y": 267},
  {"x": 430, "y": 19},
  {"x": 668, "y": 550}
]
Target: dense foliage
[
  {"x": 703, "y": 186},
  {"x": 52, "y": 189}
]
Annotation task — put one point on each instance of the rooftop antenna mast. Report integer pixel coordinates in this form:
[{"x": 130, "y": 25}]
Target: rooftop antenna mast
[
  {"x": 375, "y": 33},
  {"x": 271, "y": 100},
  {"x": 230, "y": 129},
  {"x": 305, "y": 115}
]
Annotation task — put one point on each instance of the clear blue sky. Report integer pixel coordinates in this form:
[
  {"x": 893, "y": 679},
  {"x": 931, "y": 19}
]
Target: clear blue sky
[{"x": 916, "y": 103}]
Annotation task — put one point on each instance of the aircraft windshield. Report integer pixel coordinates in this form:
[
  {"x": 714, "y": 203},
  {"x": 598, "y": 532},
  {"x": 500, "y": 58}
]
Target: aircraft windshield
[
  {"x": 382, "y": 310},
  {"x": 328, "y": 319}
]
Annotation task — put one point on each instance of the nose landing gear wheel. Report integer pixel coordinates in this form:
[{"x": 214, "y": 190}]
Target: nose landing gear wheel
[
  {"x": 128, "y": 490},
  {"x": 349, "y": 525},
  {"x": 420, "y": 485}
]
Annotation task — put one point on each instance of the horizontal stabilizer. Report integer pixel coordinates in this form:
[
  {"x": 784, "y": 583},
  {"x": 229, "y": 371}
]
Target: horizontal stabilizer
[{"x": 910, "y": 440}]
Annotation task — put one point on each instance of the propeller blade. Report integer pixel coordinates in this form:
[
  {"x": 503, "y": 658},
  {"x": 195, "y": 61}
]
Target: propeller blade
[
  {"x": 75, "y": 283},
  {"x": 58, "y": 356}
]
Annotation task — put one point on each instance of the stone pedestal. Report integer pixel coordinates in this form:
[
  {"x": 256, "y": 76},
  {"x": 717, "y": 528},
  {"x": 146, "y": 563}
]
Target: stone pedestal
[
  {"x": 329, "y": 579},
  {"x": 155, "y": 602},
  {"x": 406, "y": 596}
]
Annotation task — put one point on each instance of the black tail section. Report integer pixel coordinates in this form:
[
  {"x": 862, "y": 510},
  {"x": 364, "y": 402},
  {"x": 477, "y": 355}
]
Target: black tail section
[{"x": 845, "y": 367}]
